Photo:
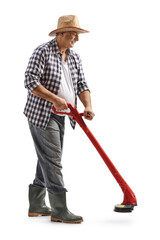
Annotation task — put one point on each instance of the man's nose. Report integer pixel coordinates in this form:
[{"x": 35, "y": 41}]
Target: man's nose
[{"x": 77, "y": 38}]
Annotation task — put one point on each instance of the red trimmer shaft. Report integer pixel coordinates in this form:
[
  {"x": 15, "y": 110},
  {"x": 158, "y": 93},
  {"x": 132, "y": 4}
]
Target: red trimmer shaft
[{"x": 129, "y": 200}]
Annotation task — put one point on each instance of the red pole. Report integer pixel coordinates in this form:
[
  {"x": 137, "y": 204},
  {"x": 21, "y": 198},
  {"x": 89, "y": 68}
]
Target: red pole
[{"x": 129, "y": 196}]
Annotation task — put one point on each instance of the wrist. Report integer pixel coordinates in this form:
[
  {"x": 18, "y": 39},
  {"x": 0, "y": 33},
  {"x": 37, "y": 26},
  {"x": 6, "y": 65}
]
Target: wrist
[
  {"x": 88, "y": 106},
  {"x": 53, "y": 98}
]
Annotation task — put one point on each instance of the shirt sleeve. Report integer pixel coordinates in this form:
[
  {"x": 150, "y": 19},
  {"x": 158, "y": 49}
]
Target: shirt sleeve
[
  {"x": 82, "y": 84},
  {"x": 34, "y": 69}
]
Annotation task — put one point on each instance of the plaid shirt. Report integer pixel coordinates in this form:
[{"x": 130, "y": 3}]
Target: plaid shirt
[{"x": 44, "y": 68}]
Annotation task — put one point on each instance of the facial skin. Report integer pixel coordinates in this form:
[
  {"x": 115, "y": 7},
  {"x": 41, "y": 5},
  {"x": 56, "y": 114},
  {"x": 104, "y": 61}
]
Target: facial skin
[{"x": 67, "y": 39}]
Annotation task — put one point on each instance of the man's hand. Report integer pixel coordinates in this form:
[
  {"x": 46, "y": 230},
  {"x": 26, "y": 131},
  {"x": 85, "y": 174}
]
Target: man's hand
[
  {"x": 88, "y": 113},
  {"x": 60, "y": 104}
]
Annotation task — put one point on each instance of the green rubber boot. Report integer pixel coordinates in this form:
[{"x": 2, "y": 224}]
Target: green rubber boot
[
  {"x": 60, "y": 212},
  {"x": 37, "y": 204}
]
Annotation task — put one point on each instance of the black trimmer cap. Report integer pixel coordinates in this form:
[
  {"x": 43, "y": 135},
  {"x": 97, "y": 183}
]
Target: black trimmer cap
[{"x": 124, "y": 208}]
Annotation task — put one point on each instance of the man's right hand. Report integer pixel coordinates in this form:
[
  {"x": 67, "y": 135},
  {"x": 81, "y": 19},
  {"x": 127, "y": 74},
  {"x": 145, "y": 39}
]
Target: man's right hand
[{"x": 60, "y": 104}]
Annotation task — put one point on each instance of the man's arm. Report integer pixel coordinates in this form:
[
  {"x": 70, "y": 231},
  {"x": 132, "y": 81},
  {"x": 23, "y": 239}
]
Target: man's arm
[
  {"x": 42, "y": 92},
  {"x": 84, "y": 93},
  {"x": 32, "y": 82},
  {"x": 85, "y": 98}
]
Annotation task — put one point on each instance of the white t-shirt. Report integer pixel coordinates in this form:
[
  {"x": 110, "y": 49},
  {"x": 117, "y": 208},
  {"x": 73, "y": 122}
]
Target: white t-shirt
[{"x": 66, "y": 90}]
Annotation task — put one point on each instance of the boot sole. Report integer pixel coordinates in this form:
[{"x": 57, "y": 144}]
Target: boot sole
[
  {"x": 60, "y": 220},
  {"x": 38, "y": 214}
]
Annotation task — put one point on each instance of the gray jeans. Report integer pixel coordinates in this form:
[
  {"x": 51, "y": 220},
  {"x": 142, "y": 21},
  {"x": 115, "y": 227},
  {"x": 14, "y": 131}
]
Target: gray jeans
[{"x": 48, "y": 145}]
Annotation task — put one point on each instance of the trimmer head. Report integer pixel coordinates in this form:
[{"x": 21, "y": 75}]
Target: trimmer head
[{"x": 124, "y": 208}]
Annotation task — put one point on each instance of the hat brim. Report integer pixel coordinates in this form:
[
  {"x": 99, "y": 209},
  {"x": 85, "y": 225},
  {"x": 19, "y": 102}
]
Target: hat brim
[{"x": 67, "y": 29}]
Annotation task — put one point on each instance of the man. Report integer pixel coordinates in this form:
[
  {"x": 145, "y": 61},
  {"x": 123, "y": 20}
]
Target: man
[{"x": 54, "y": 76}]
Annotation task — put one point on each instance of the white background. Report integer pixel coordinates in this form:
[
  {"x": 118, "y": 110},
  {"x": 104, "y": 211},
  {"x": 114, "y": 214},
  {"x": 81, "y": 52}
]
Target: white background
[{"x": 121, "y": 59}]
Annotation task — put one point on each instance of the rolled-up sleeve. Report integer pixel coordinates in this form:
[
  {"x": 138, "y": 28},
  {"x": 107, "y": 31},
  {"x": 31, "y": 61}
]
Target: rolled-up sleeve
[
  {"x": 81, "y": 84},
  {"x": 34, "y": 69}
]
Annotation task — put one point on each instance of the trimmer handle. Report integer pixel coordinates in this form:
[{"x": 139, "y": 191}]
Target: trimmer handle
[
  {"x": 72, "y": 112},
  {"x": 64, "y": 113}
]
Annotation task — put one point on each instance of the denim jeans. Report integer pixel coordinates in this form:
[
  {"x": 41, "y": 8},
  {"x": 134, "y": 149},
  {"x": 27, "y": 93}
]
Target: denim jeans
[{"x": 49, "y": 145}]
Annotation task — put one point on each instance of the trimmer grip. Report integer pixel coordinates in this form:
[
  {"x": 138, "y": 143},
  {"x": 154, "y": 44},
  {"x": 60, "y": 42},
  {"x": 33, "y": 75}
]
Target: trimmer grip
[
  {"x": 64, "y": 113},
  {"x": 72, "y": 112}
]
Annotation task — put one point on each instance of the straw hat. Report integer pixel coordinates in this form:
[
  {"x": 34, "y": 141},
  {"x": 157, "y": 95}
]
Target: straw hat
[{"x": 68, "y": 23}]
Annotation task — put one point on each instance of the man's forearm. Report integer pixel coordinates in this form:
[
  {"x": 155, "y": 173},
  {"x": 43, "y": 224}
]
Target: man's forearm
[
  {"x": 85, "y": 98},
  {"x": 42, "y": 92}
]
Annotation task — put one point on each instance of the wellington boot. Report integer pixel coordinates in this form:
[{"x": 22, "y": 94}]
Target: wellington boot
[
  {"x": 60, "y": 212},
  {"x": 37, "y": 205}
]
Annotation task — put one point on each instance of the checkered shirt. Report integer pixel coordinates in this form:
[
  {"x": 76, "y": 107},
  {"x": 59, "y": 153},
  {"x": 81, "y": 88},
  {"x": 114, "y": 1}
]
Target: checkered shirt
[{"x": 44, "y": 68}]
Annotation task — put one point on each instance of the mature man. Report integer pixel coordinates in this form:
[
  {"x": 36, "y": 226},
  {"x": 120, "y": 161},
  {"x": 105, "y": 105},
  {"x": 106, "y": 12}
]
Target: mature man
[{"x": 54, "y": 76}]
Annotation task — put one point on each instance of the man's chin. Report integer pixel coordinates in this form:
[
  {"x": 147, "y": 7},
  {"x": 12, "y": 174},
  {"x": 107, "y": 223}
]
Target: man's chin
[{"x": 72, "y": 45}]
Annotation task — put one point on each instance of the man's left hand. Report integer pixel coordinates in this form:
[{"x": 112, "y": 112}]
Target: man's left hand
[{"x": 88, "y": 113}]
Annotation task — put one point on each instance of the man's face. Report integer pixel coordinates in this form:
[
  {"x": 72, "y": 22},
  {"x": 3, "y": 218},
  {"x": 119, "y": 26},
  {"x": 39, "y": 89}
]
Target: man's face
[{"x": 69, "y": 39}]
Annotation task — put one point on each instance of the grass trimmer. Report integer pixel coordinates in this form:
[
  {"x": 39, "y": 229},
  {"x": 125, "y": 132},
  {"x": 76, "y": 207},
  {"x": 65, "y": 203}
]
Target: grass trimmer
[{"x": 129, "y": 200}]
